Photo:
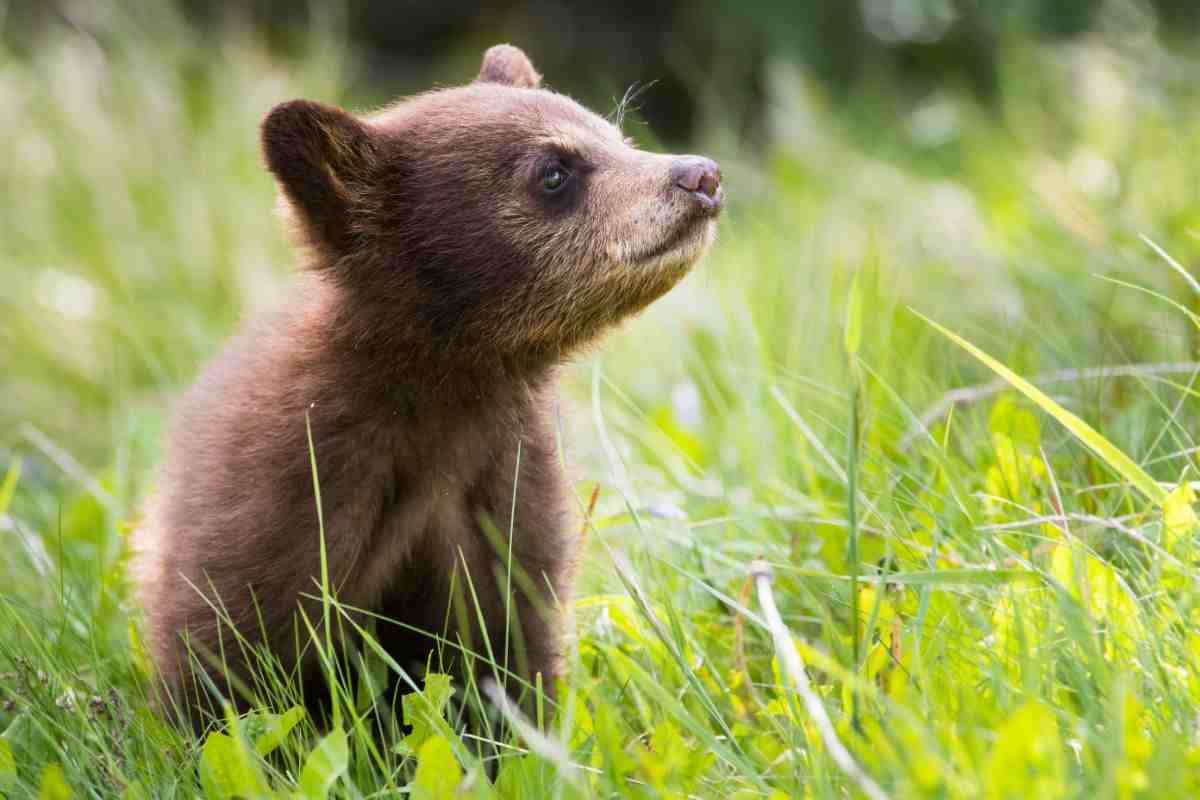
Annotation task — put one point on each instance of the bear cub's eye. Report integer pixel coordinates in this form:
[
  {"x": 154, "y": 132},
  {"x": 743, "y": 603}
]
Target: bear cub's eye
[{"x": 554, "y": 177}]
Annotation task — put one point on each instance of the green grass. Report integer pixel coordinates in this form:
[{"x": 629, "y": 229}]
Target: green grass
[{"x": 1026, "y": 601}]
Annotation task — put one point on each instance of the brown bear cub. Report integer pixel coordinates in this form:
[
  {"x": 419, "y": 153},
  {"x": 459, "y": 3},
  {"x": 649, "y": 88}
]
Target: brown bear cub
[{"x": 458, "y": 247}]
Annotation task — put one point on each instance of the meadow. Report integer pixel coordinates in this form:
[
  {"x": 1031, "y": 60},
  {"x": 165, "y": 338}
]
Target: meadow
[{"x": 992, "y": 590}]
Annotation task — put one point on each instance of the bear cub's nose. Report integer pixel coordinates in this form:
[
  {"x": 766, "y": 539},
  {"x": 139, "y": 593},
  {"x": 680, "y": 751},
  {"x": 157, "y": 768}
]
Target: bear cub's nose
[{"x": 701, "y": 177}]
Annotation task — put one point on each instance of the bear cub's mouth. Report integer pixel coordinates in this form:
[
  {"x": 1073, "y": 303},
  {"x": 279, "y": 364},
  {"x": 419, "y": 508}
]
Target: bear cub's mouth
[{"x": 688, "y": 240}]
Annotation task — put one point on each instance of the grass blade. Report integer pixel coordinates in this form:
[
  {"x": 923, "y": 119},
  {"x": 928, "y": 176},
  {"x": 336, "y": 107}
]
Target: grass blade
[{"x": 1109, "y": 453}]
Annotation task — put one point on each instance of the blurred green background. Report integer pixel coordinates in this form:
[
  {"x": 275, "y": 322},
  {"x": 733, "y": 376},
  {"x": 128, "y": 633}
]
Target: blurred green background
[
  {"x": 1007, "y": 169},
  {"x": 977, "y": 151}
]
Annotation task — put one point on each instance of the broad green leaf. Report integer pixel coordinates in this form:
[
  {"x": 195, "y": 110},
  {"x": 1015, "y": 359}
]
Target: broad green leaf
[
  {"x": 8, "y": 766},
  {"x": 54, "y": 784},
  {"x": 1027, "y": 759},
  {"x": 438, "y": 772},
  {"x": 325, "y": 764},
  {"x": 672, "y": 763},
  {"x": 1091, "y": 580},
  {"x": 1015, "y": 628},
  {"x": 1122, "y": 464},
  {"x": 581, "y": 722},
  {"x": 227, "y": 769},
  {"x": 276, "y": 728},
  {"x": 1019, "y": 424},
  {"x": 1015, "y": 438},
  {"x": 1179, "y": 517},
  {"x": 1099, "y": 589},
  {"x": 1136, "y": 747},
  {"x": 667, "y": 753},
  {"x": 424, "y": 711},
  {"x": 616, "y": 760}
]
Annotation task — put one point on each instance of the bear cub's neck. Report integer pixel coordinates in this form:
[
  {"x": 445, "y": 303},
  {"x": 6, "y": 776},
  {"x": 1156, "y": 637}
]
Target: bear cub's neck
[{"x": 381, "y": 361}]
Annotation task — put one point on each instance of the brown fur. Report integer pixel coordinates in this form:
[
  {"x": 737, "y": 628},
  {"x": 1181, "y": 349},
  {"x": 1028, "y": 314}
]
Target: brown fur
[{"x": 442, "y": 288}]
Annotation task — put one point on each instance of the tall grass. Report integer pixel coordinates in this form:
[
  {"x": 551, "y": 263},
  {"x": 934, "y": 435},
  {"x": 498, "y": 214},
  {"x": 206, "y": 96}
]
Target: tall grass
[{"x": 1016, "y": 619}]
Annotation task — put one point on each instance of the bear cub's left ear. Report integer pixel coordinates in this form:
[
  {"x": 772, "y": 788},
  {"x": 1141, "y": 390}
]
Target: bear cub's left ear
[
  {"x": 320, "y": 155},
  {"x": 509, "y": 66}
]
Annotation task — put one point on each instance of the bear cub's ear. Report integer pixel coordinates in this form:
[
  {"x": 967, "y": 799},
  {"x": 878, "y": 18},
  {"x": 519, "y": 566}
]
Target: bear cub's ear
[
  {"x": 319, "y": 154},
  {"x": 507, "y": 65}
]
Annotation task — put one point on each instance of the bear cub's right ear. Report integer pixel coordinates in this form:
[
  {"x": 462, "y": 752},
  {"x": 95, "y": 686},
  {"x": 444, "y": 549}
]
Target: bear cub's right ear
[
  {"x": 508, "y": 65},
  {"x": 319, "y": 154}
]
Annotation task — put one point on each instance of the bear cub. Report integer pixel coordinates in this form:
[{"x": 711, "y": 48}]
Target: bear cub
[{"x": 456, "y": 247}]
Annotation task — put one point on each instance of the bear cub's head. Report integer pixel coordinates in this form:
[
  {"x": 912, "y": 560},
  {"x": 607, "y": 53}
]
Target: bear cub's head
[{"x": 496, "y": 216}]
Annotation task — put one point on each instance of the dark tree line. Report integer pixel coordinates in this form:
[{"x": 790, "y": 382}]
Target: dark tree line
[{"x": 599, "y": 50}]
